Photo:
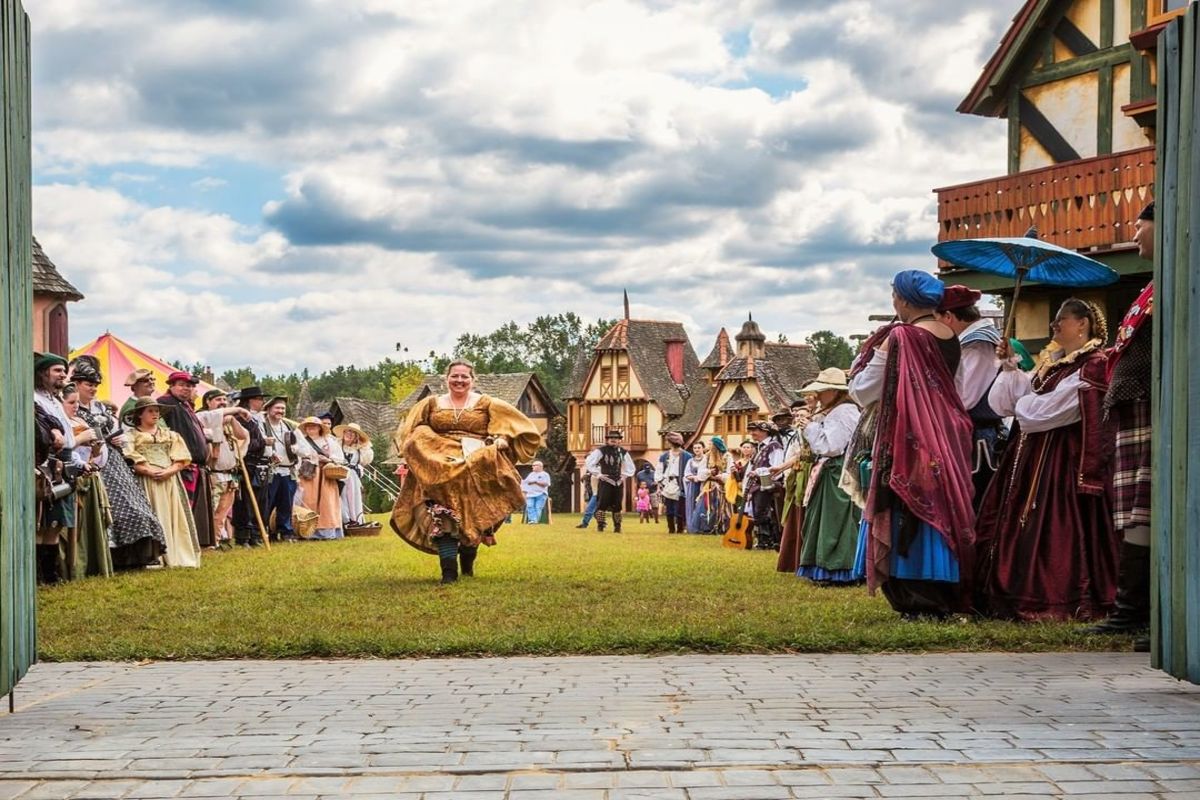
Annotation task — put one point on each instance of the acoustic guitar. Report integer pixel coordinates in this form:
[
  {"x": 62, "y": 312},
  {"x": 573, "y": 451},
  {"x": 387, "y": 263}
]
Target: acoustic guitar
[{"x": 739, "y": 536}]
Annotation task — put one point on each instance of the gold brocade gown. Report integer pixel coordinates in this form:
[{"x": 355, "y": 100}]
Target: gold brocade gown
[
  {"x": 160, "y": 448},
  {"x": 481, "y": 489}
]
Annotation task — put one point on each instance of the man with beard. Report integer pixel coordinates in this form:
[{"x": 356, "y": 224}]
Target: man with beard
[
  {"x": 280, "y": 450},
  {"x": 179, "y": 414},
  {"x": 225, "y": 431},
  {"x": 612, "y": 466},
  {"x": 49, "y": 378},
  {"x": 761, "y": 488},
  {"x": 141, "y": 384}
]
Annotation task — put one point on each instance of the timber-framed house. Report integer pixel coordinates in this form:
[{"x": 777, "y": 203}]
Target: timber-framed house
[
  {"x": 751, "y": 381},
  {"x": 644, "y": 379},
  {"x": 1075, "y": 81}
]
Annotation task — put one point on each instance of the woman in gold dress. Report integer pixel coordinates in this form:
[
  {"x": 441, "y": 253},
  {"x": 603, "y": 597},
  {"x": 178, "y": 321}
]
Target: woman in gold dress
[
  {"x": 461, "y": 449},
  {"x": 158, "y": 455}
]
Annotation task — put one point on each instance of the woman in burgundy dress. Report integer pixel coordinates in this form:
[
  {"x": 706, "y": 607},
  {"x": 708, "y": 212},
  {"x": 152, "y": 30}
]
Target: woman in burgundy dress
[{"x": 1046, "y": 543}]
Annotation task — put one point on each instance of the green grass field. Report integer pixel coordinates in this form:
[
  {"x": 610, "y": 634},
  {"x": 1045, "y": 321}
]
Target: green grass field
[{"x": 543, "y": 590}]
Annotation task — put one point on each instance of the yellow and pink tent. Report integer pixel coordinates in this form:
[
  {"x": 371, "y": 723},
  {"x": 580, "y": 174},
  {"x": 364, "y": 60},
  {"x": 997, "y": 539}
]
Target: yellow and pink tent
[{"x": 117, "y": 359}]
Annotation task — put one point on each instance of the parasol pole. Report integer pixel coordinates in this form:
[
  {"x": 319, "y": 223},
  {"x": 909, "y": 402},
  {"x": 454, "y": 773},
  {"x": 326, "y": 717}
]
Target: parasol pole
[{"x": 1012, "y": 311}]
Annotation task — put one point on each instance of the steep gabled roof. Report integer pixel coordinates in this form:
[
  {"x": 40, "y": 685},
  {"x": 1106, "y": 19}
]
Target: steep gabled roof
[
  {"x": 574, "y": 387},
  {"x": 739, "y": 402},
  {"x": 721, "y": 353},
  {"x": 375, "y": 418},
  {"x": 46, "y": 278},
  {"x": 795, "y": 364},
  {"x": 986, "y": 97}
]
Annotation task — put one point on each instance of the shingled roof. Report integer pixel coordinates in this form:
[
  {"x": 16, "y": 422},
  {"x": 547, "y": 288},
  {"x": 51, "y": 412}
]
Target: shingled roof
[
  {"x": 721, "y": 353},
  {"x": 738, "y": 402},
  {"x": 377, "y": 419},
  {"x": 573, "y": 389},
  {"x": 46, "y": 278}
]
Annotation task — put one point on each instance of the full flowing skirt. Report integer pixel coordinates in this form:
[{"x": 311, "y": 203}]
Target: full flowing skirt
[
  {"x": 709, "y": 513},
  {"x": 830, "y": 529},
  {"x": 482, "y": 490},
  {"x": 1048, "y": 551},
  {"x": 323, "y": 496},
  {"x": 793, "y": 518},
  {"x": 353, "y": 511},
  {"x": 85, "y": 552},
  {"x": 136, "y": 534},
  {"x": 170, "y": 503}
]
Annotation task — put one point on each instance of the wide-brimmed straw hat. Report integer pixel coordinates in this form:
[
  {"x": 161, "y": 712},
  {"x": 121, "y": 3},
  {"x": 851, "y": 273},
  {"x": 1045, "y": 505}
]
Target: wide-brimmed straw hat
[
  {"x": 340, "y": 431},
  {"x": 304, "y": 423},
  {"x": 140, "y": 405},
  {"x": 828, "y": 378}
]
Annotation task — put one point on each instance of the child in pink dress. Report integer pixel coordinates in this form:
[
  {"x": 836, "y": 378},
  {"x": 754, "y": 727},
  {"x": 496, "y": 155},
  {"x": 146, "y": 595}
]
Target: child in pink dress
[{"x": 643, "y": 502}]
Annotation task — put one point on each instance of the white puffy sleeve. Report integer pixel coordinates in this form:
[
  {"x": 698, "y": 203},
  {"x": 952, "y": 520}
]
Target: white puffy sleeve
[
  {"x": 1056, "y": 408},
  {"x": 976, "y": 371},
  {"x": 867, "y": 386}
]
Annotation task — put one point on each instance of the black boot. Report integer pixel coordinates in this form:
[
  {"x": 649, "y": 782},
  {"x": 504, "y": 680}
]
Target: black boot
[
  {"x": 47, "y": 564},
  {"x": 616, "y": 522},
  {"x": 601, "y": 520},
  {"x": 670, "y": 523},
  {"x": 466, "y": 557},
  {"x": 1133, "y": 593},
  {"x": 449, "y": 569}
]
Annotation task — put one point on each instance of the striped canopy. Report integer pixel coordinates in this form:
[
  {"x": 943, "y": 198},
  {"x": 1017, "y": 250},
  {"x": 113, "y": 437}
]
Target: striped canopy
[{"x": 117, "y": 359}]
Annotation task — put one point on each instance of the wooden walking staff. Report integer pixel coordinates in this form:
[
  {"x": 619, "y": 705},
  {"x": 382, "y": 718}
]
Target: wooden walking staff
[{"x": 262, "y": 529}]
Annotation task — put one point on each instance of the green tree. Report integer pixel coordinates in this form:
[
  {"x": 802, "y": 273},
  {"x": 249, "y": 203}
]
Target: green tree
[{"x": 831, "y": 350}]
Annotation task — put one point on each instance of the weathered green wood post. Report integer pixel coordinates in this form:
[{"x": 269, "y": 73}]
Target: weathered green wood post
[
  {"x": 18, "y": 616},
  {"x": 1176, "y": 398}
]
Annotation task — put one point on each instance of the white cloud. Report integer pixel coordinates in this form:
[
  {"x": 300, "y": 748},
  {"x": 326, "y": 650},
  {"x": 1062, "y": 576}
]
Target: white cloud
[{"x": 448, "y": 167}]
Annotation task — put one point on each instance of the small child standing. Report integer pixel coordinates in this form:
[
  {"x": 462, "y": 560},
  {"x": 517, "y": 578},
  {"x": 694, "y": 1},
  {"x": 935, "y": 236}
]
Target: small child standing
[{"x": 643, "y": 502}]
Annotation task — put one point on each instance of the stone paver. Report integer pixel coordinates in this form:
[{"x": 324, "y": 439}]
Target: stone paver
[{"x": 608, "y": 728}]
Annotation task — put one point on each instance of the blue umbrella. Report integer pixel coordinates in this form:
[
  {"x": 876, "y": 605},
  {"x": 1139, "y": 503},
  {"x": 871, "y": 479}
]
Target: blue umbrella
[{"x": 1026, "y": 258}]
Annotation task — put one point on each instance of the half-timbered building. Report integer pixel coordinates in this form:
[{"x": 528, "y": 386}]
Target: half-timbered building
[
  {"x": 1074, "y": 79},
  {"x": 751, "y": 380},
  {"x": 644, "y": 379}
]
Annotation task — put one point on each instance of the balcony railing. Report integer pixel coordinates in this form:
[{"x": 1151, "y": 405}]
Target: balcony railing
[
  {"x": 634, "y": 436},
  {"x": 1087, "y": 204}
]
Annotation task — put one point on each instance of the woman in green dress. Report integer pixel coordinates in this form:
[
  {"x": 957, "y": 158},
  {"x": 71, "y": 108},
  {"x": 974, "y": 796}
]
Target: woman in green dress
[{"x": 830, "y": 518}]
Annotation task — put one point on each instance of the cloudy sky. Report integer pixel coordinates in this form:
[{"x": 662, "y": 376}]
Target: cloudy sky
[{"x": 290, "y": 183}]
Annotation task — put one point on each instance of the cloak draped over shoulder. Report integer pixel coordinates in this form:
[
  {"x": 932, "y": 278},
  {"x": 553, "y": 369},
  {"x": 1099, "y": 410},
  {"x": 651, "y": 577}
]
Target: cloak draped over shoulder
[
  {"x": 481, "y": 489},
  {"x": 921, "y": 453}
]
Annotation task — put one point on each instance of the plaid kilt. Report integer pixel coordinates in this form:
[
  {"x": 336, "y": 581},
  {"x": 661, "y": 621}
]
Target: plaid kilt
[{"x": 1131, "y": 478}]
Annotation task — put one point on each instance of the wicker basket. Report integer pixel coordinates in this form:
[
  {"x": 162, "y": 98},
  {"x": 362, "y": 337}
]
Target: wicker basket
[
  {"x": 304, "y": 522},
  {"x": 336, "y": 472}
]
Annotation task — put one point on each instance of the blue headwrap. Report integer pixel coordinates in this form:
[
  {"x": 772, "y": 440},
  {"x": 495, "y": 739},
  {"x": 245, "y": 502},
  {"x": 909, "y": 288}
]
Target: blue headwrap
[{"x": 918, "y": 288}]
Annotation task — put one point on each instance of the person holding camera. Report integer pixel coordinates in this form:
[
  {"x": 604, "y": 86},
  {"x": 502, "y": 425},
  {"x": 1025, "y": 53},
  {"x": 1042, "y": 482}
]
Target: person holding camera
[
  {"x": 135, "y": 536},
  {"x": 159, "y": 455}
]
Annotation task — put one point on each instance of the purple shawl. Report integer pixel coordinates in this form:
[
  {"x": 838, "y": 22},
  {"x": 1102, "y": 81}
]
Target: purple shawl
[{"x": 922, "y": 451}]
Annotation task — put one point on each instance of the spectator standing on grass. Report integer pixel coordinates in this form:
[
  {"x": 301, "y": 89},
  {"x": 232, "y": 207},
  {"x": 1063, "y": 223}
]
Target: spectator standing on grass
[
  {"x": 159, "y": 455},
  {"x": 179, "y": 413},
  {"x": 136, "y": 536},
  {"x": 670, "y": 475},
  {"x": 646, "y": 474},
  {"x": 281, "y": 442},
  {"x": 359, "y": 454},
  {"x": 918, "y": 537},
  {"x": 611, "y": 466},
  {"x": 58, "y": 517},
  {"x": 318, "y": 491},
  {"x": 590, "y": 497},
  {"x": 257, "y": 458},
  {"x": 536, "y": 487},
  {"x": 225, "y": 429}
]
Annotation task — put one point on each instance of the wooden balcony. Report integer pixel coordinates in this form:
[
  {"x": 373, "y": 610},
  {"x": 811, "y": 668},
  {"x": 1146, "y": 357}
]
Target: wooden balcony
[
  {"x": 1090, "y": 204},
  {"x": 634, "y": 435}
]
